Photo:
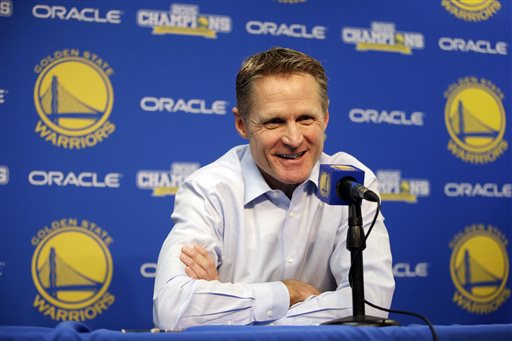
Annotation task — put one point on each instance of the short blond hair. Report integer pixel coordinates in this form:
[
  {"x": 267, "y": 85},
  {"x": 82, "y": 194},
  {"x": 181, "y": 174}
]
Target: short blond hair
[{"x": 276, "y": 61}]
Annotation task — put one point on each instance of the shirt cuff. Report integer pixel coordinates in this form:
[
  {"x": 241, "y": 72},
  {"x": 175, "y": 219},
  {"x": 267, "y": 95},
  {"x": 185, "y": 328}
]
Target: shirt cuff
[{"x": 272, "y": 301}]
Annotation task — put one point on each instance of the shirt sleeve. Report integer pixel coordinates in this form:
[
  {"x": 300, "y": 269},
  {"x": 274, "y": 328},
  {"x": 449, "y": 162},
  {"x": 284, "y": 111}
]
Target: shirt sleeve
[
  {"x": 180, "y": 301},
  {"x": 379, "y": 283}
]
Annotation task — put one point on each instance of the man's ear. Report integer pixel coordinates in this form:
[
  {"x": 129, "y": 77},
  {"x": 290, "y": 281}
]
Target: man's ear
[{"x": 240, "y": 124}]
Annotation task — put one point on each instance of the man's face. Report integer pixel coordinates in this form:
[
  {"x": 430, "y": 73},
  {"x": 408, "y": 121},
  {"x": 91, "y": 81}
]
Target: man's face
[{"x": 285, "y": 128}]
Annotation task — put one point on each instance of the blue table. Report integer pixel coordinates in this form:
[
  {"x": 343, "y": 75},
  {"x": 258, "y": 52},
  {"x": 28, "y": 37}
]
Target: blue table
[{"x": 79, "y": 331}]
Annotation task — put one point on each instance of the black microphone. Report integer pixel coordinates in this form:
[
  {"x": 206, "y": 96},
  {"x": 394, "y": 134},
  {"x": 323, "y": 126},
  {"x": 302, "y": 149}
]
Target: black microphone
[
  {"x": 342, "y": 185},
  {"x": 352, "y": 191}
]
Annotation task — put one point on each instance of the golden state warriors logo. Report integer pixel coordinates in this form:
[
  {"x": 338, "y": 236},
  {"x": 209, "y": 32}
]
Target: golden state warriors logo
[
  {"x": 475, "y": 119},
  {"x": 324, "y": 184},
  {"x": 343, "y": 167},
  {"x": 74, "y": 98},
  {"x": 479, "y": 268},
  {"x": 472, "y": 10},
  {"x": 72, "y": 270}
]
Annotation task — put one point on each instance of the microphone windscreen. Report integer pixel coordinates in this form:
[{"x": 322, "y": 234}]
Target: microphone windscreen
[{"x": 329, "y": 178}]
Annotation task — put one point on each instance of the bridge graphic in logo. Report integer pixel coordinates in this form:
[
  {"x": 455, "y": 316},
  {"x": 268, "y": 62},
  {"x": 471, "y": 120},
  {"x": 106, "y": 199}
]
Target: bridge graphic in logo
[
  {"x": 73, "y": 97},
  {"x": 59, "y": 105},
  {"x": 472, "y": 275},
  {"x": 56, "y": 275},
  {"x": 72, "y": 267},
  {"x": 479, "y": 268},
  {"x": 467, "y": 125},
  {"x": 475, "y": 119}
]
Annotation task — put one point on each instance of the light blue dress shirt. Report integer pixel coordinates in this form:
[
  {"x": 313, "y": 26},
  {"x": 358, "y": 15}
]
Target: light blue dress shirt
[{"x": 258, "y": 237}]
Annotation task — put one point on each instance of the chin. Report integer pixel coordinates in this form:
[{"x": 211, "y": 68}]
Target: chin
[{"x": 293, "y": 180}]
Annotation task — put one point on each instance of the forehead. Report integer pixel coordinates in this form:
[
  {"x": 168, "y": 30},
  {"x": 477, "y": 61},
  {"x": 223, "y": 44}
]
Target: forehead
[
  {"x": 280, "y": 81},
  {"x": 285, "y": 91}
]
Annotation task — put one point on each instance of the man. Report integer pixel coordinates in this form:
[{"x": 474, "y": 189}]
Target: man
[{"x": 252, "y": 244}]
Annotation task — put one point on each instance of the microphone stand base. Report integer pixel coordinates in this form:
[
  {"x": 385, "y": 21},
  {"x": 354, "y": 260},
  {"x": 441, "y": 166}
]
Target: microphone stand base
[{"x": 370, "y": 321}]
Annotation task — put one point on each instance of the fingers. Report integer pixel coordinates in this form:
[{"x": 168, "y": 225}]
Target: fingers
[
  {"x": 194, "y": 267},
  {"x": 199, "y": 256},
  {"x": 190, "y": 267},
  {"x": 299, "y": 291},
  {"x": 199, "y": 263},
  {"x": 190, "y": 273}
]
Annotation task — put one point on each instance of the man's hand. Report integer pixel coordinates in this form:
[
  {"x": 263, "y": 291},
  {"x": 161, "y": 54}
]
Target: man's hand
[
  {"x": 199, "y": 264},
  {"x": 299, "y": 291}
]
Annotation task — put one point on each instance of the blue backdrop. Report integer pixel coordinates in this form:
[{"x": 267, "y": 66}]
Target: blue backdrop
[{"x": 105, "y": 107}]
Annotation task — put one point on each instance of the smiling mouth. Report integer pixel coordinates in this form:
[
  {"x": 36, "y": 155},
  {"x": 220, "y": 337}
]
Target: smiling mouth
[{"x": 291, "y": 156}]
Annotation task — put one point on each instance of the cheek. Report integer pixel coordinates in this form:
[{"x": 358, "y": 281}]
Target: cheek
[
  {"x": 314, "y": 134},
  {"x": 266, "y": 140}
]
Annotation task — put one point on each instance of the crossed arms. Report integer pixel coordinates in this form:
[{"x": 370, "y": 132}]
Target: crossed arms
[
  {"x": 199, "y": 265},
  {"x": 211, "y": 274}
]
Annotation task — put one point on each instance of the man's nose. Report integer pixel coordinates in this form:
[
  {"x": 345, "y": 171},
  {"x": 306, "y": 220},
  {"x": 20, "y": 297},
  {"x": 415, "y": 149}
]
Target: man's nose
[{"x": 293, "y": 135}]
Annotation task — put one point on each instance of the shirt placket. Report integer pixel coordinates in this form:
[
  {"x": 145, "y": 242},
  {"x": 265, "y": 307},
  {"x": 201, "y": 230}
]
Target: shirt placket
[{"x": 292, "y": 235}]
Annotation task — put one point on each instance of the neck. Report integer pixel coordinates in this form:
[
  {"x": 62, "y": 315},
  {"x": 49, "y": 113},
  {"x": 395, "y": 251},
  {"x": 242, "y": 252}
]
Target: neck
[{"x": 275, "y": 184}]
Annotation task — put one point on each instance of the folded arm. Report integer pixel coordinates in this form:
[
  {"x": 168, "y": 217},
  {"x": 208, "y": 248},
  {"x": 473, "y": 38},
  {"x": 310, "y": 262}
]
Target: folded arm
[
  {"x": 188, "y": 292},
  {"x": 181, "y": 299},
  {"x": 307, "y": 305},
  {"x": 199, "y": 265}
]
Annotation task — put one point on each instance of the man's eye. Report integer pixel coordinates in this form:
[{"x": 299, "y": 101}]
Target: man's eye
[
  {"x": 306, "y": 120},
  {"x": 273, "y": 123}
]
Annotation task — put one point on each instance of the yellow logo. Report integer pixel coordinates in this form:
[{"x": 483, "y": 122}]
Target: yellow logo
[
  {"x": 472, "y": 10},
  {"x": 72, "y": 270},
  {"x": 74, "y": 98},
  {"x": 343, "y": 167},
  {"x": 383, "y": 36},
  {"x": 184, "y": 19},
  {"x": 393, "y": 187},
  {"x": 325, "y": 188},
  {"x": 475, "y": 119},
  {"x": 164, "y": 183},
  {"x": 479, "y": 268}
]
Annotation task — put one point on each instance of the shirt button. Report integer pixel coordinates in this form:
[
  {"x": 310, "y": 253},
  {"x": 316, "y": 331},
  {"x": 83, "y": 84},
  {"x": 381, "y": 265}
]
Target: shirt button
[
  {"x": 292, "y": 214},
  {"x": 269, "y": 313},
  {"x": 290, "y": 259}
]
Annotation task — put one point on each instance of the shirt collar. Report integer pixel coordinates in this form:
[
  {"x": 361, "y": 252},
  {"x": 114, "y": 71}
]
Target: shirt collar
[{"x": 255, "y": 184}]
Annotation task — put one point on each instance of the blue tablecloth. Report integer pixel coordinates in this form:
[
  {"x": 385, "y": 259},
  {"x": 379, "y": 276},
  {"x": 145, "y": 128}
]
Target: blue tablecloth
[{"x": 79, "y": 331}]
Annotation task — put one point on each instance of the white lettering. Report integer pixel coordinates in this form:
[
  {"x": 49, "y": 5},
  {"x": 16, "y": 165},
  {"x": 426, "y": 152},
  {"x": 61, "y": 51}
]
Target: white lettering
[
  {"x": 150, "y": 179},
  {"x": 487, "y": 190},
  {"x": 183, "y": 16},
  {"x": 382, "y": 34},
  {"x": 192, "y": 106},
  {"x": 85, "y": 14},
  {"x": 5, "y": 8},
  {"x": 406, "y": 270},
  {"x": 84, "y": 179},
  {"x": 394, "y": 117},
  {"x": 148, "y": 270},
  {"x": 4, "y": 175},
  {"x": 292, "y": 30},
  {"x": 478, "y": 46},
  {"x": 419, "y": 187},
  {"x": 155, "y": 179}
]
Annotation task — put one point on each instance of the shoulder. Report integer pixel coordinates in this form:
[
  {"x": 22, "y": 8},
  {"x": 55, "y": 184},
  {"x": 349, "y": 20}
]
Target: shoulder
[{"x": 225, "y": 171}]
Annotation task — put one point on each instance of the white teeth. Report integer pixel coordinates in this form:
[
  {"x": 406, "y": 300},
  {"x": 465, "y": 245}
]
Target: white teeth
[{"x": 291, "y": 156}]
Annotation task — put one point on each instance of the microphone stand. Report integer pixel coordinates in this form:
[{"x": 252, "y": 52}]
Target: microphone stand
[{"x": 356, "y": 245}]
